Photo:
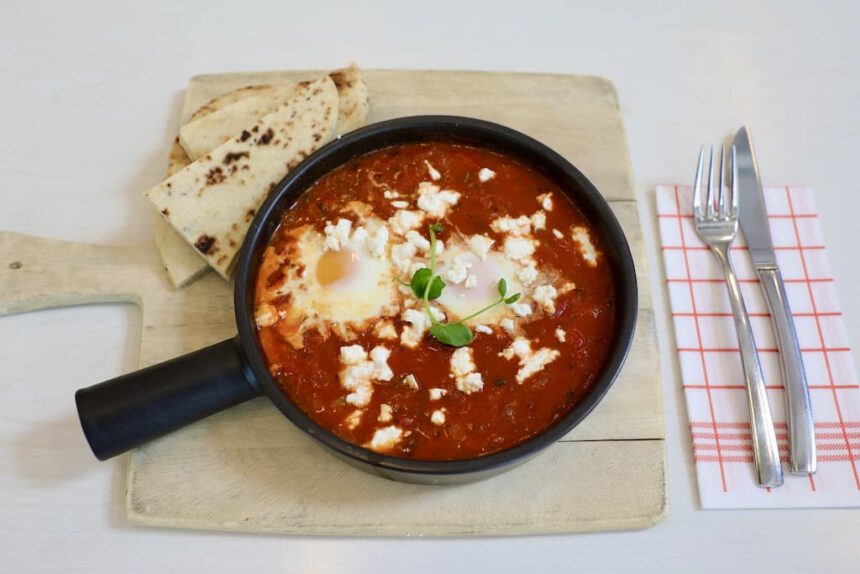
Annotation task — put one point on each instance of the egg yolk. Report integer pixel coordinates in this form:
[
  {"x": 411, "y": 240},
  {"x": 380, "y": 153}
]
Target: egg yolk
[{"x": 334, "y": 266}]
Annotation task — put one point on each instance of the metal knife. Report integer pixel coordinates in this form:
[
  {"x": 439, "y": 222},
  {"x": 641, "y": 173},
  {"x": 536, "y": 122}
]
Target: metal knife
[{"x": 753, "y": 219}]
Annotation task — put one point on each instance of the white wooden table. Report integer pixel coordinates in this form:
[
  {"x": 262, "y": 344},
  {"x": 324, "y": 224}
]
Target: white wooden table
[{"x": 89, "y": 101}]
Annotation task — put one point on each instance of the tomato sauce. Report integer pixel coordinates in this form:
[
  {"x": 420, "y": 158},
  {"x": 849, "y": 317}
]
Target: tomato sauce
[{"x": 504, "y": 412}]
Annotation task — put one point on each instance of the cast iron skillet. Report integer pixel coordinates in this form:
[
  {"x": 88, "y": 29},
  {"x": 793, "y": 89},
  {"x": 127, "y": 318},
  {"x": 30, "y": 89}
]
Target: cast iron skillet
[{"x": 125, "y": 412}]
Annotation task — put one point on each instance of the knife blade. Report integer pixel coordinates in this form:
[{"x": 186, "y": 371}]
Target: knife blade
[{"x": 754, "y": 223}]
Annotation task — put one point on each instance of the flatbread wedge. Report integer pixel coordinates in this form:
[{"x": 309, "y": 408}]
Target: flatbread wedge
[{"x": 211, "y": 202}]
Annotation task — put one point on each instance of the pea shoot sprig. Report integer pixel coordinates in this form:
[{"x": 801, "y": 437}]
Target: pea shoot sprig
[{"x": 427, "y": 286}]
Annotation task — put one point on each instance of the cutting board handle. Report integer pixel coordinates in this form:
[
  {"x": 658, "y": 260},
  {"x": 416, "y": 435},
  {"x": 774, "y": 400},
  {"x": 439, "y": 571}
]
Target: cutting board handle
[{"x": 125, "y": 412}]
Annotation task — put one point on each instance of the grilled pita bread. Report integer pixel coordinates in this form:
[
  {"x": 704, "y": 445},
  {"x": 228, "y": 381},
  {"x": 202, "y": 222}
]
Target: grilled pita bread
[{"x": 211, "y": 202}]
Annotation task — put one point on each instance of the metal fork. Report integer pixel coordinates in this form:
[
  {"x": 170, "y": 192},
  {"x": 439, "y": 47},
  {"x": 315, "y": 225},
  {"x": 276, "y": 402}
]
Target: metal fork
[{"x": 717, "y": 227}]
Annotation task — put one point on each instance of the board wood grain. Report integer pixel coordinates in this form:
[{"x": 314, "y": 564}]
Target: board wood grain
[{"x": 249, "y": 470}]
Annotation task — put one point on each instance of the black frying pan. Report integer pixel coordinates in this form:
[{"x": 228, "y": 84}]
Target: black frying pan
[{"x": 125, "y": 412}]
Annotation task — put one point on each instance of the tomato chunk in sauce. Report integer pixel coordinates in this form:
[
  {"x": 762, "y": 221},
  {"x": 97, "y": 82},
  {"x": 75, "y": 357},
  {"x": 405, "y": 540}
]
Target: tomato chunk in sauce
[{"x": 347, "y": 339}]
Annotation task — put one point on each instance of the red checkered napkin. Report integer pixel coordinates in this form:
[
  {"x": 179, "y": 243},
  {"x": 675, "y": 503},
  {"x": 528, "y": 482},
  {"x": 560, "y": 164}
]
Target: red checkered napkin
[{"x": 710, "y": 362}]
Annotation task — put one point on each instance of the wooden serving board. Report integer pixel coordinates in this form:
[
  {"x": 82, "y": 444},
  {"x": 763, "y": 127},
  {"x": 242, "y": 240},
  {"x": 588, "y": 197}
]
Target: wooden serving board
[{"x": 249, "y": 470}]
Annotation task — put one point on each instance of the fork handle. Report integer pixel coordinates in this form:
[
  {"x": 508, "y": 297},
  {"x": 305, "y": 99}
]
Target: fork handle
[
  {"x": 765, "y": 450},
  {"x": 801, "y": 430}
]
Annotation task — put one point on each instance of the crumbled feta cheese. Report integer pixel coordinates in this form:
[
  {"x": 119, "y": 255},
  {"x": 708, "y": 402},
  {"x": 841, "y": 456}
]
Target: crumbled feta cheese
[
  {"x": 403, "y": 220},
  {"x": 434, "y": 175},
  {"x": 418, "y": 240},
  {"x": 521, "y": 309},
  {"x": 385, "y": 438},
  {"x": 545, "y": 200},
  {"x": 437, "y": 313},
  {"x": 518, "y": 248},
  {"x": 399, "y": 204},
  {"x": 527, "y": 274},
  {"x": 471, "y": 283},
  {"x": 471, "y": 383},
  {"x": 538, "y": 220},
  {"x": 336, "y": 235},
  {"x": 558, "y": 234},
  {"x": 438, "y": 417},
  {"x": 385, "y": 330},
  {"x": 560, "y": 335},
  {"x": 436, "y": 394},
  {"x": 485, "y": 174},
  {"x": 459, "y": 270},
  {"x": 359, "y": 235},
  {"x": 377, "y": 241},
  {"x": 385, "y": 413},
  {"x": 352, "y": 355},
  {"x": 483, "y": 329},
  {"x": 411, "y": 382},
  {"x": 413, "y": 333},
  {"x": 390, "y": 194},
  {"x": 507, "y": 324},
  {"x": 359, "y": 372},
  {"x": 266, "y": 315},
  {"x": 531, "y": 362},
  {"x": 480, "y": 245},
  {"x": 521, "y": 225},
  {"x": 354, "y": 419},
  {"x": 586, "y": 247},
  {"x": 435, "y": 202},
  {"x": 462, "y": 362},
  {"x": 545, "y": 296},
  {"x": 401, "y": 256}
]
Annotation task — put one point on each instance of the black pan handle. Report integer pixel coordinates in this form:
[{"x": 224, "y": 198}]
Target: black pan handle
[{"x": 125, "y": 412}]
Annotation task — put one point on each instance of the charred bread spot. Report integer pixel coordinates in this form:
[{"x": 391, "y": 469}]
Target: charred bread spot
[
  {"x": 266, "y": 138},
  {"x": 244, "y": 136},
  {"x": 206, "y": 244},
  {"x": 255, "y": 129},
  {"x": 215, "y": 176},
  {"x": 165, "y": 212},
  {"x": 236, "y": 156},
  {"x": 15, "y": 265}
]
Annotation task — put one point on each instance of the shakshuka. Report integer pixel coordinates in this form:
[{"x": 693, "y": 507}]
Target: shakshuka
[{"x": 435, "y": 301}]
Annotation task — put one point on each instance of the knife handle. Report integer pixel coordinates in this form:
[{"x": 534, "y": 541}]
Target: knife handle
[{"x": 801, "y": 428}]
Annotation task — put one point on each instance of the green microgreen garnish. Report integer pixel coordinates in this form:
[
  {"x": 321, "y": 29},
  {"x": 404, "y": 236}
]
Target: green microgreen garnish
[{"x": 427, "y": 286}]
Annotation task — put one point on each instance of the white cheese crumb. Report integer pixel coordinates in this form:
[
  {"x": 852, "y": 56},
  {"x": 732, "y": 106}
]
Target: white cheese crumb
[
  {"x": 411, "y": 382},
  {"x": 436, "y": 394},
  {"x": 354, "y": 419},
  {"x": 507, "y": 324},
  {"x": 521, "y": 309},
  {"x": 558, "y": 234},
  {"x": 385, "y": 413},
  {"x": 560, "y": 335},
  {"x": 266, "y": 315},
  {"x": 379, "y": 355},
  {"x": 483, "y": 329},
  {"x": 538, "y": 220},
  {"x": 486, "y": 174},
  {"x": 545, "y": 201},
  {"x": 480, "y": 245},
  {"x": 434, "y": 174},
  {"x": 521, "y": 225},
  {"x": 437, "y": 313},
  {"x": 545, "y": 296},
  {"x": 518, "y": 248},
  {"x": 527, "y": 274},
  {"x": 377, "y": 241},
  {"x": 352, "y": 355},
  {"x": 336, "y": 235},
  {"x": 400, "y": 204},
  {"x": 586, "y": 248},
  {"x": 459, "y": 270},
  {"x": 402, "y": 221},
  {"x": 462, "y": 362},
  {"x": 359, "y": 235},
  {"x": 531, "y": 362},
  {"x": 413, "y": 333},
  {"x": 385, "y": 438},
  {"x": 438, "y": 417},
  {"x": 471, "y": 283},
  {"x": 390, "y": 194},
  {"x": 435, "y": 202},
  {"x": 471, "y": 383},
  {"x": 401, "y": 256},
  {"x": 385, "y": 330},
  {"x": 418, "y": 240}
]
